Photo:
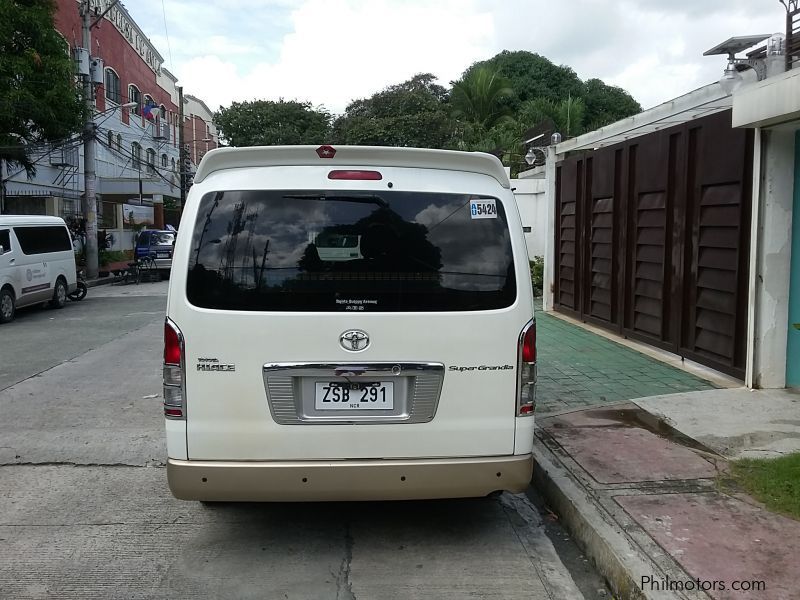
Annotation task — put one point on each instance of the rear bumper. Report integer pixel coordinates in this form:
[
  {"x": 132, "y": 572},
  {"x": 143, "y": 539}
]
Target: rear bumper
[
  {"x": 163, "y": 264},
  {"x": 345, "y": 480}
]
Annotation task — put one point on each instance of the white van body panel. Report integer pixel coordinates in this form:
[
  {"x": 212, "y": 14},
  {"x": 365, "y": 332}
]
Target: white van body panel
[
  {"x": 33, "y": 277},
  {"x": 228, "y": 416}
]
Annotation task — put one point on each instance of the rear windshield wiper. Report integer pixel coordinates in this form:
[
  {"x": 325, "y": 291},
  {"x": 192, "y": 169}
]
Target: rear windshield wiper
[{"x": 360, "y": 199}]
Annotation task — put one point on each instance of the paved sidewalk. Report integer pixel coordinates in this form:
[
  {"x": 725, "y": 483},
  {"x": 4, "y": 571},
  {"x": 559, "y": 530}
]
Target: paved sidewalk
[
  {"x": 579, "y": 369},
  {"x": 646, "y": 500}
]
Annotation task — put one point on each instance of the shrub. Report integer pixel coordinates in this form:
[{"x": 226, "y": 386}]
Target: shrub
[{"x": 537, "y": 275}]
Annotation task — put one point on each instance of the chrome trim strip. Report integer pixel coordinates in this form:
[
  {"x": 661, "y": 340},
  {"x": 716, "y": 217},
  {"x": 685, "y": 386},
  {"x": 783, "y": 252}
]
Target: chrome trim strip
[{"x": 285, "y": 401}]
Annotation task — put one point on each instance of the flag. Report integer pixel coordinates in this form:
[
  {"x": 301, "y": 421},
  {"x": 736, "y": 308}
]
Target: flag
[{"x": 150, "y": 112}]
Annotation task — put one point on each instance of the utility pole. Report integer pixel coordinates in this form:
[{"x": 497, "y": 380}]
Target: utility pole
[
  {"x": 181, "y": 153},
  {"x": 89, "y": 175},
  {"x": 2, "y": 185}
]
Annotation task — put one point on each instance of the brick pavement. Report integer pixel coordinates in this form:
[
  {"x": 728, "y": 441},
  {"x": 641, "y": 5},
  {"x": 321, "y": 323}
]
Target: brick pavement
[{"x": 579, "y": 369}]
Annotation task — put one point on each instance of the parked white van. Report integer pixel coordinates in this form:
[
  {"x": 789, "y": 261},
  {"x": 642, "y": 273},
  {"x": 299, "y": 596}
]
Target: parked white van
[
  {"x": 37, "y": 263},
  {"x": 403, "y": 372}
]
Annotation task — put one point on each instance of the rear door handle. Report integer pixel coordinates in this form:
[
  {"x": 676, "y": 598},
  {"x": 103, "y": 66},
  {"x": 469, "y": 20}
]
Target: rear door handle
[{"x": 12, "y": 261}]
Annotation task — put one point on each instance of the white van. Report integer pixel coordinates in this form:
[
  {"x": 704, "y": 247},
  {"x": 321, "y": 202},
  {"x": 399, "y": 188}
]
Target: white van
[
  {"x": 37, "y": 263},
  {"x": 404, "y": 372}
]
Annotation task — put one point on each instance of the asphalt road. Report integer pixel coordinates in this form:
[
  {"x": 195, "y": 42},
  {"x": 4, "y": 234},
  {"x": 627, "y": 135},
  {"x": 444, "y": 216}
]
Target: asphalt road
[{"x": 85, "y": 511}]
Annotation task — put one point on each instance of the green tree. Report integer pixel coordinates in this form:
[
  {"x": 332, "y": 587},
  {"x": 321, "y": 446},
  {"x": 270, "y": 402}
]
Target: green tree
[
  {"x": 409, "y": 114},
  {"x": 568, "y": 115},
  {"x": 607, "y": 103},
  {"x": 534, "y": 77},
  {"x": 39, "y": 101},
  {"x": 478, "y": 98},
  {"x": 270, "y": 123},
  {"x": 531, "y": 76}
]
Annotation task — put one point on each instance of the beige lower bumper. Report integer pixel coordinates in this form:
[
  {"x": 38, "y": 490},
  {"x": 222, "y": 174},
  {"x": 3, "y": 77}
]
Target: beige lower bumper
[{"x": 346, "y": 480}]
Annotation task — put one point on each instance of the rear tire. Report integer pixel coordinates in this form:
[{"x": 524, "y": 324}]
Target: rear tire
[
  {"x": 79, "y": 293},
  {"x": 59, "y": 294},
  {"x": 8, "y": 306}
]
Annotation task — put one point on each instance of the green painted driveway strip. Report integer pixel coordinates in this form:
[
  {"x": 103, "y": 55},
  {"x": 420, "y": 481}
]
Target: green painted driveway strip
[{"x": 578, "y": 369}]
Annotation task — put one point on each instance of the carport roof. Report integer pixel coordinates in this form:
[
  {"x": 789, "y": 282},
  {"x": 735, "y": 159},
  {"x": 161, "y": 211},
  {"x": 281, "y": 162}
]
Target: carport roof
[{"x": 698, "y": 103}]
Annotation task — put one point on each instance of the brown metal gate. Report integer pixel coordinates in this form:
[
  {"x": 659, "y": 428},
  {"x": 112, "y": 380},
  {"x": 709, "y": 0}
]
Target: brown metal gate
[{"x": 652, "y": 239}]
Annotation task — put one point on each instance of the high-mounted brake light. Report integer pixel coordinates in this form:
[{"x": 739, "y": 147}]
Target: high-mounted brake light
[
  {"x": 526, "y": 357},
  {"x": 174, "y": 372},
  {"x": 355, "y": 175}
]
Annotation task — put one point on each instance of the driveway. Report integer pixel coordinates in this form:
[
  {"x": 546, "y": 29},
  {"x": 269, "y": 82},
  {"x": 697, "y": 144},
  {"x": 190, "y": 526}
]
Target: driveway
[{"x": 579, "y": 369}]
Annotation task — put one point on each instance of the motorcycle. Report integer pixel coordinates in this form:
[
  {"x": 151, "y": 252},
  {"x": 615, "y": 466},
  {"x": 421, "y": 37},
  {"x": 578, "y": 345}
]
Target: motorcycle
[{"x": 82, "y": 289}]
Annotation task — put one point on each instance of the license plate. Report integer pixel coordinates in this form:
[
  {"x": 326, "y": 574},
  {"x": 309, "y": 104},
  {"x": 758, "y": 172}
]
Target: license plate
[
  {"x": 376, "y": 395},
  {"x": 162, "y": 255}
]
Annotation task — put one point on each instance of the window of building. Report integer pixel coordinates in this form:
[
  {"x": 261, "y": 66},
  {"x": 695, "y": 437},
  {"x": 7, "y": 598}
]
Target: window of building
[
  {"x": 134, "y": 95},
  {"x": 164, "y": 161},
  {"x": 173, "y": 165},
  {"x": 107, "y": 218},
  {"x": 163, "y": 110},
  {"x": 136, "y": 154},
  {"x": 110, "y": 140},
  {"x": 113, "y": 87},
  {"x": 119, "y": 142},
  {"x": 151, "y": 160}
]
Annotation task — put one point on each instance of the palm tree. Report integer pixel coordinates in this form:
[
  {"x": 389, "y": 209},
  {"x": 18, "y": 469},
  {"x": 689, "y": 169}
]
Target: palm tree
[
  {"x": 568, "y": 115},
  {"x": 478, "y": 98}
]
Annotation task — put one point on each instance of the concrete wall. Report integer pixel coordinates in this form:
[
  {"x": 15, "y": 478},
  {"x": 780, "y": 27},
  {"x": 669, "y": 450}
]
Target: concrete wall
[
  {"x": 771, "y": 260},
  {"x": 530, "y": 194},
  {"x": 769, "y": 102},
  {"x": 793, "y": 345}
]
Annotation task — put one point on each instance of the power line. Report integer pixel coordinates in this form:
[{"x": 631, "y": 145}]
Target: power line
[
  {"x": 67, "y": 144},
  {"x": 126, "y": 154},
  {"x": 169, "y": 48}
]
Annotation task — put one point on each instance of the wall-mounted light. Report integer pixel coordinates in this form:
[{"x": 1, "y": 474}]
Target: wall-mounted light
[{"x": 732, "y": 76}]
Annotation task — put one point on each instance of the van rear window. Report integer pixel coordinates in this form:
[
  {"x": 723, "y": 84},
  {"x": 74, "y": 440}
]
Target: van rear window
[
  {"x": 333, "y": 251},
  {"x": 43, "y": 239}
]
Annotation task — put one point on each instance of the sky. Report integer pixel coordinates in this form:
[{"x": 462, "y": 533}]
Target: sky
[{"x": 330, "y": 52}]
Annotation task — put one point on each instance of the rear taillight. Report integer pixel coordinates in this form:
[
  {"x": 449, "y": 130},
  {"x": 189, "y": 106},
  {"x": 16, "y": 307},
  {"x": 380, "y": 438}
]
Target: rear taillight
[
  {"x": 174, "y": 371},
  {"x": 526, "y": 386}
]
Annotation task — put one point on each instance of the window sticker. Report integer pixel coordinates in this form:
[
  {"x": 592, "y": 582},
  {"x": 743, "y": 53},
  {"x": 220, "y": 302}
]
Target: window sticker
[{"x": 485, "y": 208}]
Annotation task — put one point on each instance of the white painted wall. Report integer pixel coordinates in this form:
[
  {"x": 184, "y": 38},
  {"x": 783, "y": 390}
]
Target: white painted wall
[
  {"x": 771, "y": 101},
  {"x": 530, "y": 194},
  {"x": 771, "y": 261}
]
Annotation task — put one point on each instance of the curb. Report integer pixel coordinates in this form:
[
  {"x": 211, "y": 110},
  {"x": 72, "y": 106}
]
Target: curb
[
  {"x": 101, "y": 281},
  {"x": 614, "y": 554}
]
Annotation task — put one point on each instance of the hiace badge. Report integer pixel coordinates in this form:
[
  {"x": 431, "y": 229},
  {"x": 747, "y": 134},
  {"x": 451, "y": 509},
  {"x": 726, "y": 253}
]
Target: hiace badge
[{"x": 484, "y": 208}]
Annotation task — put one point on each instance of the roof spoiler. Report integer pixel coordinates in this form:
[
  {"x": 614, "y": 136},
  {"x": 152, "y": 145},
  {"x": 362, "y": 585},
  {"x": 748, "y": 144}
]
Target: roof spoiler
[{"x": 353, "y": 156}]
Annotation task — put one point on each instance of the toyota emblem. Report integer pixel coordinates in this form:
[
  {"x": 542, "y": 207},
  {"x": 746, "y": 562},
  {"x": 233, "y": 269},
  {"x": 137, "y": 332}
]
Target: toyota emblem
[{"x": 354, "y": 340}]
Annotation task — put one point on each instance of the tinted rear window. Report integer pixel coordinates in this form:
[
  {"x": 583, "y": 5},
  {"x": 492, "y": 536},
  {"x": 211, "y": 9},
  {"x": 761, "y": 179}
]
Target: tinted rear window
[
  {"x": 162, "y": 238},
  {"x": 350, "y": 251},
  {"x": 43, "y": 239}
]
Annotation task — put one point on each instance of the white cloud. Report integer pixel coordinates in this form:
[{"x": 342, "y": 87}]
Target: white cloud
[
  {"x": 339, "y": 50},
  {"x": 653, "y": 48},
  {"x": 330, "y": 52}
]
